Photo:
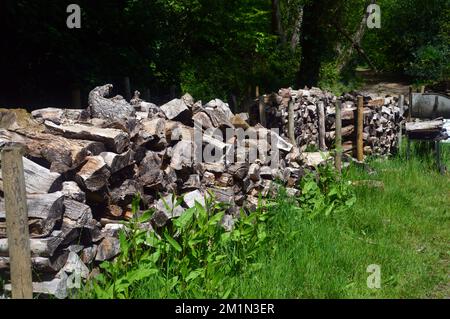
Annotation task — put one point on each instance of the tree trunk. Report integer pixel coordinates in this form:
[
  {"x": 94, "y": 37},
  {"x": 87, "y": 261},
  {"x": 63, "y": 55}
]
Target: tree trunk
[
  {"x": 277, "y": 27},
  {"x": 295, "y": 39},
  {"x": 355, "y": 41}
]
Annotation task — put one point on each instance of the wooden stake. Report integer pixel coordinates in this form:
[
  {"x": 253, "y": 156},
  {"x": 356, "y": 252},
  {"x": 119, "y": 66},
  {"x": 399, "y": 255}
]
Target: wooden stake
[
  {"x": 401, "y": 103},
  {"x": 262, "y": 111},
  {"x": 291, "y": 122},
  {"x": 338, "y": 156},
  {"x": 408, "y": 118},
  {"x": 321, "y": 119},
  {"x": 17, "y": 222},
  {"x": 359, "y": 130}
]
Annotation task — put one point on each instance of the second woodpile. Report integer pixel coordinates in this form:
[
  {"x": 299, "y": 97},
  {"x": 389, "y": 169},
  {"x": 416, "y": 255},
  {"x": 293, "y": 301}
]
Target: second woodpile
[{"x": 382, "y": 119}]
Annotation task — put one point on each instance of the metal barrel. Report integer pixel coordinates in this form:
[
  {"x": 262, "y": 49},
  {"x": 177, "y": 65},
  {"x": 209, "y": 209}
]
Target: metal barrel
[{"x": 430, "y": 105}]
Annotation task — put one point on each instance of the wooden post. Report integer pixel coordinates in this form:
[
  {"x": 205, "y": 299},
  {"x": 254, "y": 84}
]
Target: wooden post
[
  {"x": 291, "y": 122},
  {"x": 401, "y": 103},
  {"x": 262, "y": 111},
  {"x": 338, "y": 140},
  {"x": 408, "y": 118},
  {"x": 422, "y": 89},
  {"x": 321, "y": 119},
  {"x": 261, "y": 106},
  {"x": 127, "y": 88},
  {"x": 17, "y": 222},
  {"x": 359, "y": 130}
]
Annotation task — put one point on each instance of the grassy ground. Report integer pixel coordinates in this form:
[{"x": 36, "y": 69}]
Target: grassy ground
[{"x": 405, "y": 229}]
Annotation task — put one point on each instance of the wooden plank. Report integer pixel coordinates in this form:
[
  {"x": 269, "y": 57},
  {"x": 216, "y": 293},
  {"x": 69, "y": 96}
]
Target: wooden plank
[
  {"x": 359, "y": 130},
  {"x": 17, "y": 222},
  {"x": 424, "y": 126}
]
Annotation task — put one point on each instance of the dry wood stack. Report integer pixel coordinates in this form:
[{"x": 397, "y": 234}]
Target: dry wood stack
[
  {"x": 382, "y": 118},
  {"x": 84, "y": 166}
]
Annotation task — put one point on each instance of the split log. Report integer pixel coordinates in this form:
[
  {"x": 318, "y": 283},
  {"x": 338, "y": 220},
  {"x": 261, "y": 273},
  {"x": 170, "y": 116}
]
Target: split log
[
  {"x": 46, "y": 208},
  {"x": 72, "y": 191},
  {"x": 108, "y": 249},
  {"x": 60, "y": 153},
  {"x": 176, "y": 109},
  {"x": 114, "y": 139},
  {"x": 115, "y": 162},
  {"x": 38, "y": 179},
  {"x": 76, "y": 215},
  {"x": 116, "y": 108},
  {"x": 94, "y": 175}
]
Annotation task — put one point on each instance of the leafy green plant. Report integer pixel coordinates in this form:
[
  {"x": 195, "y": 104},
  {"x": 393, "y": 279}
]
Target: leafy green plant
[
  {"x": 324, "y": 192},
  {"x": 191, "y": 257}
]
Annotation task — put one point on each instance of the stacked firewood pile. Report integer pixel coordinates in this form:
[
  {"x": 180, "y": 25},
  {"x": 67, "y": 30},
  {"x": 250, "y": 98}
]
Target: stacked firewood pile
[
  {"x": 83, "y": 167},
  {"x": 382, "y": 118}
]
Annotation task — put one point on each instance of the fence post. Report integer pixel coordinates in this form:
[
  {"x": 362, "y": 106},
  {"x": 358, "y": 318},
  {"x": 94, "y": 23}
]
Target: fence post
[
  {"x": 291, "y": 123},
  {"x": 321, "y": 119},
  {"x": 359, "y": 131},
  {"x": 17, "y": 222},
  {"x": 262, "y": 107},
  {"x": 338, "y": 141},
  {"x": 401, "y": 103}
]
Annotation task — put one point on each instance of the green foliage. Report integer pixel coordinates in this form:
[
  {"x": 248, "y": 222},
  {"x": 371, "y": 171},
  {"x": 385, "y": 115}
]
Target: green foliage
[
  {"x": 431, "y": 64},
  {"x": 413, "y": 39},
  {"x": 192, "y": 257},
  {"x": 323, "y": 192}
]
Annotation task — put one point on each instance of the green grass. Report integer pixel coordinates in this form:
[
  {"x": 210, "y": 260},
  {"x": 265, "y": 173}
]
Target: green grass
[{"x": 405, "y": 229}]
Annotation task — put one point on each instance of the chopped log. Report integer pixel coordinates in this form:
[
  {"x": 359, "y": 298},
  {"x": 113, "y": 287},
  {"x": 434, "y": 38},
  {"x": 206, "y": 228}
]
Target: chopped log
[
  {"x": 52, "y": 114},
  {"x": 108, "y": 249},
  {"x": 105, "y": 108},
  {"x": 123, "y": 194},
  {"x": 38, "y": 179},
  {"x": 115, "y": 162},
  {"x": 192, "y": 197},
  {"x": 203, "y": 119},
  {"x": 62, "y": 154},
  {"x": 94, "y": 175},
  {"x": 47, "y": 208},
  {"x": 176, "y": 109},
  {"x": 42, "y": 247},
  {"x": 149, "y": 172},
  {"x": 182, "y": 155},
  {"x": 71, "y": 190},
  {"x": 114, "y": 139},
  {"x": 76, "y": 215}
]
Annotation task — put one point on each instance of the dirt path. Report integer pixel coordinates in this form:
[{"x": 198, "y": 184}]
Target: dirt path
[{"x": 383, "y": 84}]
